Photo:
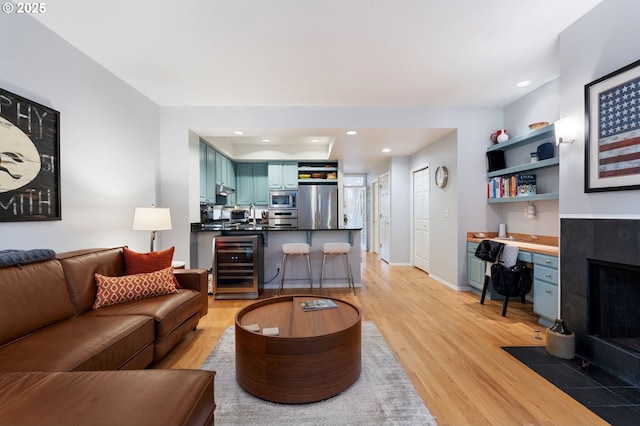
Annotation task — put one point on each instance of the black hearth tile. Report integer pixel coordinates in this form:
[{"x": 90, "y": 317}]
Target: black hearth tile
[
  {"x": 619, "y": 416},
  {"x": 599, "y": 375},
  {"x": 529, "y": 355},
  {"x": 563, "y": 376},
  {"x": 629, "y": 393},
  {"x": 595, "y": 397}
]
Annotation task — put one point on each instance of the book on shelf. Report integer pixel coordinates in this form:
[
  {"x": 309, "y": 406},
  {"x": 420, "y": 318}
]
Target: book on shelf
[
  {"x": 318, "y": 304},
  {"x": 511, "y": 186}
]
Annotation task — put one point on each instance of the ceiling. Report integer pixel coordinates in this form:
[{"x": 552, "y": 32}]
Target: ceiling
[{"x": 454, "y": 53}]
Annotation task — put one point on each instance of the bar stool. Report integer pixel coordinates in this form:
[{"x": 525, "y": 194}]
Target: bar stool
[
  {"x": 341, "y": 249},
  {"x": 295, "y": 249}
]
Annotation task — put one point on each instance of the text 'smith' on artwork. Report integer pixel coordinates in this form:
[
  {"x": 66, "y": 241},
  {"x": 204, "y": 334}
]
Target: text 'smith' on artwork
[{"x": 29, "y": 160}]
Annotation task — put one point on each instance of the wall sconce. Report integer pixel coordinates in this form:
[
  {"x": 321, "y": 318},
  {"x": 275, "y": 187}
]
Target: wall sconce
[
  {"x": 151, "y": 219},
  {"x": 530, "y": 211},
  {"x": 566, "y": 130}
]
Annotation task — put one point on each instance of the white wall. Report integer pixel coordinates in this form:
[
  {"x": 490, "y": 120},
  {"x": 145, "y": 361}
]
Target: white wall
[
  {"x": 400, "y": 249},
  {"x": 442, "y": 230},
  {"x": 603, "y": 41},
  {"x": 179, "y": 162},
  {"x": 541, "y": 105},
  {"x": 109, "y": 135}
]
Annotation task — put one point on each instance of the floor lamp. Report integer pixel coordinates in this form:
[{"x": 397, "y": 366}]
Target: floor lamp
[{"x": 151, "y": 219}]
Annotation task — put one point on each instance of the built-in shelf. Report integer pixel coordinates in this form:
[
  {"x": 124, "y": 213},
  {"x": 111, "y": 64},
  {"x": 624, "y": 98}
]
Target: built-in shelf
[
  {"x": 542, "y": 135},
  {"x": 550, "y": 162},
  {"x": 530, "y": 137},
  {"x": 312, "y": 172},
  {"x": 525, "y": 198}
]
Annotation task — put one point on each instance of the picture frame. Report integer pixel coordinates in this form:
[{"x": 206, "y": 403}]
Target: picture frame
[
  {"x": 612, "y": 131},
  {"x": 29, "y": 160}
]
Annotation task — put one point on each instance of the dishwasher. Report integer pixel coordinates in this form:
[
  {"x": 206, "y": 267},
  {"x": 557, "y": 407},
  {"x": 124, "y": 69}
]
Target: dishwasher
[{"x": 237, "y": 267}]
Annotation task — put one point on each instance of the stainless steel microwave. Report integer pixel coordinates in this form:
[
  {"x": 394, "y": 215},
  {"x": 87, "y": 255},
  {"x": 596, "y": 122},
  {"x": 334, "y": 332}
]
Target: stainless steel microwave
[{"x": 283, "y": 199}]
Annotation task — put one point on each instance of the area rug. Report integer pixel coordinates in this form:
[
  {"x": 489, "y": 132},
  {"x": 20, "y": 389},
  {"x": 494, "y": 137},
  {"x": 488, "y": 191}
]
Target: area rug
[{"x": 383, "y": 395}]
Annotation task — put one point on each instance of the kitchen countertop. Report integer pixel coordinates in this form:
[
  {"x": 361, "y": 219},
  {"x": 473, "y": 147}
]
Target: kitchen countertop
[
  {"x": 533, "y": 243},
  {"x": 243, "y": 227}
]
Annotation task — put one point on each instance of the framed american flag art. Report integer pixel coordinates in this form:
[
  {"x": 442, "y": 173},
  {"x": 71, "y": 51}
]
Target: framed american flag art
[{"x": 612, "y": 131}]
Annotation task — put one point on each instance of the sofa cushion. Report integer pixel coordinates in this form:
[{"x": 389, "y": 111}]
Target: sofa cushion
[
  {"x": 140, "y": 263},
  {"x": 79, "y": 269},
  {"x": 143, "y": 397},
  {"x": 114, "y": 290},
  {"x": 168, "y": 311},
  {"x": 82, "y": 343},
  {"x": 32, "y": 296}
]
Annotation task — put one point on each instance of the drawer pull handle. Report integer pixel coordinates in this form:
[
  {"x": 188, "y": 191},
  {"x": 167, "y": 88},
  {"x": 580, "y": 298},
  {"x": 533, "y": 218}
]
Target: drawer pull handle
[
  {"x": 547, "y": 291},
  {"x": 548, "y": 261},
  {"x": 547, "y": 275}
]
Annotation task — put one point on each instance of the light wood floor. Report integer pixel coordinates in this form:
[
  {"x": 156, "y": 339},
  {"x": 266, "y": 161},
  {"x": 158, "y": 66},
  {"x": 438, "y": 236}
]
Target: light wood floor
[{"x": 449, "y": 345}]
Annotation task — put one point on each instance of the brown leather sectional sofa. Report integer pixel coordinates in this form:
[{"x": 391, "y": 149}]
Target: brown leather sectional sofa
[{"x": 47, "y": 324}]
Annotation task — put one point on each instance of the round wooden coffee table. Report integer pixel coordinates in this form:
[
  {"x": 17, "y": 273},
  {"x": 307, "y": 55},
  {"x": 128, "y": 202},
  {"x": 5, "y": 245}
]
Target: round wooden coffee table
[{"x": 315, "y": 356}]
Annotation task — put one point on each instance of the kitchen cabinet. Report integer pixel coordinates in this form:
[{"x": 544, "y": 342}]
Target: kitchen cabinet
[
  {"x": 545, "y": 288},
  {"x": 283, "y": 175},
  {"x": 207, "y": 173},
  {"x": 225, "y": 175},
  {"x": 252, "y": 185},
  {"x": 545, "y": 280},
  {"x": 529, "y": 141},
  {"x": 476, "y": 267}
]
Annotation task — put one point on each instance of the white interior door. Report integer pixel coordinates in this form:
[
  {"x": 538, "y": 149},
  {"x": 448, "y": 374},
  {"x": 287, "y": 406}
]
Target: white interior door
[
  {"x": 385, "y": 218},
  {"x": 421, "y": 254}
]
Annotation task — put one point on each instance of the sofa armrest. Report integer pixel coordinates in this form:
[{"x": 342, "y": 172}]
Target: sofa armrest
[{"x": 195, "y": 279}]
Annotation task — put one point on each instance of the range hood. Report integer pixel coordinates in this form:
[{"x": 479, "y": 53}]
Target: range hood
[{"x": 224, "y": 190}]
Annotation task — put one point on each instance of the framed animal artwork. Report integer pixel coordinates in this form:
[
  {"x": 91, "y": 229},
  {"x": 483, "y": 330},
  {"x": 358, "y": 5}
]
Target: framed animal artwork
[{"x": 29, "y": 160}]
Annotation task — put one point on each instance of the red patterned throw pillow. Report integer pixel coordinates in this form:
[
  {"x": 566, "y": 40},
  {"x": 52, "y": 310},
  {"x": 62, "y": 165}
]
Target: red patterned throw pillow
[
  {"x": 141, "y": 263},
  {"x": 114, "y": 290}
]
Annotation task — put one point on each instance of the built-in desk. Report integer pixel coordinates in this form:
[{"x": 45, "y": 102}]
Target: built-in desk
[{"x": 541, "y": 253}]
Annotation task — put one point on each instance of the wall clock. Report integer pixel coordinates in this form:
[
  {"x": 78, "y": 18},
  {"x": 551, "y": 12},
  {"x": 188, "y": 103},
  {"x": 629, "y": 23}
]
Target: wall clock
[{"x": 442, "y": 175}]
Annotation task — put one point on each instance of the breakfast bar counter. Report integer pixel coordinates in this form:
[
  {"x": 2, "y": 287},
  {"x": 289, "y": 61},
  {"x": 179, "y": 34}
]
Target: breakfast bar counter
[{"x": 335, "y": 275}]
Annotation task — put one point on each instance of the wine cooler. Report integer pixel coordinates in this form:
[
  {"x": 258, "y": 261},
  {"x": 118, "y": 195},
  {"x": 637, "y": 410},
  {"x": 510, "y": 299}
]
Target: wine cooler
[{"x": 237, "y": 267}]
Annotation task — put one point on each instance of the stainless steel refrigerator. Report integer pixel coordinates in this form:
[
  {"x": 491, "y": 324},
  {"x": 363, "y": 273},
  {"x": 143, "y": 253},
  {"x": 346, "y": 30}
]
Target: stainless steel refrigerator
[{"x": 318, "y": 207}]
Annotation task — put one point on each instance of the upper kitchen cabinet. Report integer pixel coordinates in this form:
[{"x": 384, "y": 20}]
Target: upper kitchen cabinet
[
  {"x": 283, "y": 175},
  {"x": 226, "y": 175},
  {"x": 252, "y": 184},
  {"x": 207, "y": 173}
]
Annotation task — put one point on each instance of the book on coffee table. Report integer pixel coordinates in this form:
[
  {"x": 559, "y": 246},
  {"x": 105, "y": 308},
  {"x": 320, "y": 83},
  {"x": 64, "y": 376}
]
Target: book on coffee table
[
  {"x": 315, "y": 305},
  {"x": 271, "y": 331}
]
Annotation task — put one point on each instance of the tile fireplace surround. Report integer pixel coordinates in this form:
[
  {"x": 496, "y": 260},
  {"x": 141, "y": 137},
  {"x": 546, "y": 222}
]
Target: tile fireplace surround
[{"x": 600, "y": 291}]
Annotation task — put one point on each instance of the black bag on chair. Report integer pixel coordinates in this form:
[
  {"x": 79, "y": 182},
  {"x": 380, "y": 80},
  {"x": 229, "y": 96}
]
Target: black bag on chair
[
  {"x": 488, "y": 250},
  {"x": 513, "y": 281}
]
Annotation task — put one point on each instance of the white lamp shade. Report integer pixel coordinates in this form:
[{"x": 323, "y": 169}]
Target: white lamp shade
[{"x": 151, "y": 219}]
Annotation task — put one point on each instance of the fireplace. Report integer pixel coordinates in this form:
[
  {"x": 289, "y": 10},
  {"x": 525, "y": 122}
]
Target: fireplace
[
  {"x": 614, "y": 303},
  {"x": 600, "y": 291}
]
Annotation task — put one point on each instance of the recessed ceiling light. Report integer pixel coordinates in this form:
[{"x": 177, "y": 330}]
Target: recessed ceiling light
[
  {"x": 315, "y": 140},
  {"x": 523, "y": 83},
  {"x": 238, "y": 132},
  {"x": 386, "y": 150},
  {"x": 266, "y": 140},
  {"x": 351, "y": 132}
]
